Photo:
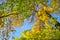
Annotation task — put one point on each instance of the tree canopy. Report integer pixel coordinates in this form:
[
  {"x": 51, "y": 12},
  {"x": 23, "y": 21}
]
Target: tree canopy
[{"x": 13, "y": 13}]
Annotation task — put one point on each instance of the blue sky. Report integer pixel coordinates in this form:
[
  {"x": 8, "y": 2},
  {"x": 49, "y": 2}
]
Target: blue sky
[{"x": 19, "y": 30}]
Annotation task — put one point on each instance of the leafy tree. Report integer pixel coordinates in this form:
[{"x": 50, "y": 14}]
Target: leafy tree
[
  {"x": 20, "y": 8},
  {"x": 46, "y": 33},
  {"x": 13, "y": 13},
  {"x": 45, "y": 26}
]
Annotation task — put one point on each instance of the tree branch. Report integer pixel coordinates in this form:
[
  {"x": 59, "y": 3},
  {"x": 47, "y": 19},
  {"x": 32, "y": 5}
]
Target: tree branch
[{"x": 9, "y": 15}]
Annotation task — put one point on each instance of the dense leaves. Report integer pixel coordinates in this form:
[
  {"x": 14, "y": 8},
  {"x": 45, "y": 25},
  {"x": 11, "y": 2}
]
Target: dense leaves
[
  {"x": 55, "y": 4},
  {"x": 46, "y": 33},
  {"x": 22, "y": 8},
  {"x": 13, "y": 13},
  {"x": 45, "y": 27}
]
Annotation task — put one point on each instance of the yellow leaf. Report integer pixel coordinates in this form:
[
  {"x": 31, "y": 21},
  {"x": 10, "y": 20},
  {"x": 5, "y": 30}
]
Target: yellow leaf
[
  {"x": 50, "y": 9},
  {"x": 45, "y": 8}
]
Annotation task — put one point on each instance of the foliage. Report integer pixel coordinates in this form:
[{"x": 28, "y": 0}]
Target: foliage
[
  {"x": 46, "y": 33},
  {"x": 13, "y": 13},
  {"x": 20, "y": 8},
  {"x": 44, "y": 27},
  {"x": 55, "y": 4}
]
